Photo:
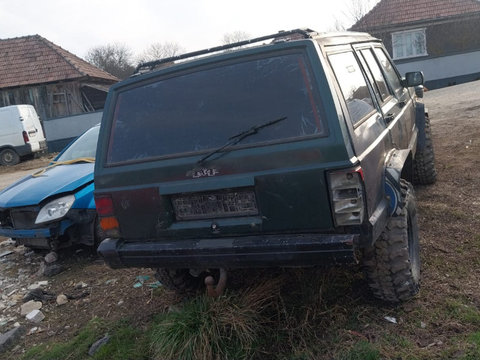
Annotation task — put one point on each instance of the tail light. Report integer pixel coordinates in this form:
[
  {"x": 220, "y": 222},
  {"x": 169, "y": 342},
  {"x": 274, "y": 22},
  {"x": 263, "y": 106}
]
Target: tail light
[
  {"x": 108, "y": 221},
  {"x": 25, "y": 137},
  {"x": 346, "y": 190}
]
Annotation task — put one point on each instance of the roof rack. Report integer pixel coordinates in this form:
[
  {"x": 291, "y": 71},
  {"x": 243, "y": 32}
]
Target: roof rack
[{"x": 151, "y": 65}]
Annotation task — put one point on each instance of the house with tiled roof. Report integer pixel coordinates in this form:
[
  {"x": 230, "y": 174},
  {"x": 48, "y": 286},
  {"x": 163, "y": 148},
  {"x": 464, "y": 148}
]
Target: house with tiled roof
[
  {"x": 35, "y": 71},
  {"x": 439, "y": 37}
]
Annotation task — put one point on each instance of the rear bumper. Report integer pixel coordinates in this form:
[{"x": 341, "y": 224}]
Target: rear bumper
[
  {"x": 43, "y": 146},
  {"x": 242, "y": 252}
]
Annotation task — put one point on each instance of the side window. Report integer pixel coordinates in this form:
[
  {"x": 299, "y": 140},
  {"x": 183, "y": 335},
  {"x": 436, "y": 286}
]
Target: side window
[
  {"x": 389, "y": 70},
  {"x": 377, "y": 74},
  {"x": 353, "y": 85}
]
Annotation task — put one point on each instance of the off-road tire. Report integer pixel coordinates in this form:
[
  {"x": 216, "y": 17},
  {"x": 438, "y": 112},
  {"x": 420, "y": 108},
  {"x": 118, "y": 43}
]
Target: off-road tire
[
  {"x": 9, "y": 157},
  {"x": 392, "y": 264},
  {"x": 424, "y": 171},
  {"x": 178, "y": 280}
]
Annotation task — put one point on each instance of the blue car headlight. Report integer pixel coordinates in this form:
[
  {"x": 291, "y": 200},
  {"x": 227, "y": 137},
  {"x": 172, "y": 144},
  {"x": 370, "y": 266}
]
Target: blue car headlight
[{"x": 55, "y": 209}]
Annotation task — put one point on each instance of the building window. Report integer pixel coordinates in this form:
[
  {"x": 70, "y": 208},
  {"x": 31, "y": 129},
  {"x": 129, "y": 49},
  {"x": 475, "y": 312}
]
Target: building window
[
  {"x": 407, "y": 44},
  {"x": 59, "y": 98}
]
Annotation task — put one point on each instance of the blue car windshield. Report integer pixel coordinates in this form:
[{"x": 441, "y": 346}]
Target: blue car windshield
[{"x": 84, "y": 147}]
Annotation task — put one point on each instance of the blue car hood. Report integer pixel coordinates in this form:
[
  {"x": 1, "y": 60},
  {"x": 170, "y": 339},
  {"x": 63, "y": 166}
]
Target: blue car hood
[{"x": 57, "y": 180}]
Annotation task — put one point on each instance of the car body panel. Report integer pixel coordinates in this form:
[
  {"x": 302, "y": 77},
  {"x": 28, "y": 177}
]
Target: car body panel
[
  {"x": 288, "y": 177},
  {"x": 21, "y": 202},
  {"x": 57, "y": 180}
]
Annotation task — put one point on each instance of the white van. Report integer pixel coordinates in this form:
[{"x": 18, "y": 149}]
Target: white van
[{"x": 20, "y": 133}]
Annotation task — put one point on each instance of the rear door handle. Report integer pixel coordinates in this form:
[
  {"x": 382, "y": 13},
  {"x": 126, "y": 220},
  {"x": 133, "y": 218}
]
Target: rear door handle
[{"x": 389, "y": 117}]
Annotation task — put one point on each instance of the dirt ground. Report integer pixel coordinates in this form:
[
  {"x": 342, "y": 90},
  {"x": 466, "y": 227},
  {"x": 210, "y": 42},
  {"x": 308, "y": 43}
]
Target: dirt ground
[
  {"x": 450, "y": 210},
  {"x": 10, "y": 174},
  {"x": 450, "y": 240}
]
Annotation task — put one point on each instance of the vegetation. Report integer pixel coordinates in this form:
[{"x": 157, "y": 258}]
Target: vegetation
[
  {"x": 295, "y": 314},
  {"x": 160, "y": 50},
  {"x": 116, "y": 59},
  {"x": 120, "y": 61},
  {"x": 229, "y": 327}
]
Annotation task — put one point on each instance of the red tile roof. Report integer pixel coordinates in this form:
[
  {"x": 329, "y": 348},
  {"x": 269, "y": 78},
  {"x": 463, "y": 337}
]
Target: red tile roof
[
  {"x": 33, "y": 59},
  {"x": 389, "y": 13}
]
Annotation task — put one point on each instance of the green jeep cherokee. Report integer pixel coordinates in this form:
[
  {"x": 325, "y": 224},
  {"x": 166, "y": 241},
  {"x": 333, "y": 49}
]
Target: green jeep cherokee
[{"x": 292, "y": 149}]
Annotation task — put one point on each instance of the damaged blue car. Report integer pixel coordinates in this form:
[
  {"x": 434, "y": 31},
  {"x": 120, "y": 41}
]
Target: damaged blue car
[{"x": 54, "y": 207}]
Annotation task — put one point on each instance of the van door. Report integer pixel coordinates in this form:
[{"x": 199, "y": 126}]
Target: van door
[
  {"x": 10, "y": 127},
  {"x": 31, "y": 125}
]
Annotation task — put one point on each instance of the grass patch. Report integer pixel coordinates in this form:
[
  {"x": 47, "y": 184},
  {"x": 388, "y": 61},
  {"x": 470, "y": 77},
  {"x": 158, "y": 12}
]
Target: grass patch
[
  {"x": 465, "y": 313},
  {"x": 228, "y": 327},
  {"x": 77, "y": 348},
  {"x": 362, "y": 350},
  {"x": 125, "y": 342},
  {"x": 466, "y": 347},
  {"x": 397, "y": 341},
  {"x": 474, "y": 352}
]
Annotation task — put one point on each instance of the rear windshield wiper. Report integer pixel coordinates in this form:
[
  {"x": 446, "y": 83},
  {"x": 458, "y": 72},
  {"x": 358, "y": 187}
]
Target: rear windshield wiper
[{"x": 235, "y": 139}]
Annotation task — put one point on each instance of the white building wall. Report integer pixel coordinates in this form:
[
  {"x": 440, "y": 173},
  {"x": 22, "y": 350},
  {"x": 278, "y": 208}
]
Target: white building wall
[
  {"x": 444, "y": 67},
  {"x": 70, "y": 126}
]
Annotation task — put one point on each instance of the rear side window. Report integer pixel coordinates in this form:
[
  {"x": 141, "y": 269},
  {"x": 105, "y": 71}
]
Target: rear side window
[
  {"x": 390, "y": 73},
  {"x": 198, "y": 111},
  {"x": 380, "y": 82},
  {"x": 353, "y": 85}
]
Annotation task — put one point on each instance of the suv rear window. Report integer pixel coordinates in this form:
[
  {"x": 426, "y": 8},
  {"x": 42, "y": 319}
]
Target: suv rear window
[{"x": 198, "y": 111}]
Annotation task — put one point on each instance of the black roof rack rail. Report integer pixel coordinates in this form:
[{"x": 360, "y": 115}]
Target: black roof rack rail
[{"x": 151, "y": 65}]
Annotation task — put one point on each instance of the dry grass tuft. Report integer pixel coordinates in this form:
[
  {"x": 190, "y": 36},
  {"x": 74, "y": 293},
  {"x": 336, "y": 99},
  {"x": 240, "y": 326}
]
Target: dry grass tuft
[{"x": 228, "y": 327}]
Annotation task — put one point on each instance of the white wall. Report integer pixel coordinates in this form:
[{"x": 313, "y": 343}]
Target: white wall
[
  {"x": 70, "y": 126},
  {"x": 445, "y": 66}
]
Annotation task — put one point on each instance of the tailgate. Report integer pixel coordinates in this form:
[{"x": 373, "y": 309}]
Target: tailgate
[{"x": 240, "y": 198}]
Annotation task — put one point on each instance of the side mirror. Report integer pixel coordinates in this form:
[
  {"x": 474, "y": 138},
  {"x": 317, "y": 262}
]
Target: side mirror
[{"x": 413, "y": 79}]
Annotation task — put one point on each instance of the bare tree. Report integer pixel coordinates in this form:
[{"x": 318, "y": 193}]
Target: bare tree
[
  {"x": 159, "y": 51},
  {"x": 234, "y": 37},
  {"x": 352, "y": 12},
  {"x": 338, "y": 25},
  {"x": 356, "y": 9},
  {"x": 115, "y": 59}
]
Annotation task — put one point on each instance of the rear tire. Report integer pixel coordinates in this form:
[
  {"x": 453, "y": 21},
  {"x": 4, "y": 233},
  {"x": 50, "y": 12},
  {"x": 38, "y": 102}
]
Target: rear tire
[
  {"x": 392, "y": 264},
  {"x": 424, "y": 171},
  {"x": 178, "y": 280},
  {"x": 9, "y": 157}
]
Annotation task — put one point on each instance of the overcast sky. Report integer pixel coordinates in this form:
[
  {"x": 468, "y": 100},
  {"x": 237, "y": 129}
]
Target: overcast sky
[{"x": 78, "y": 25}]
